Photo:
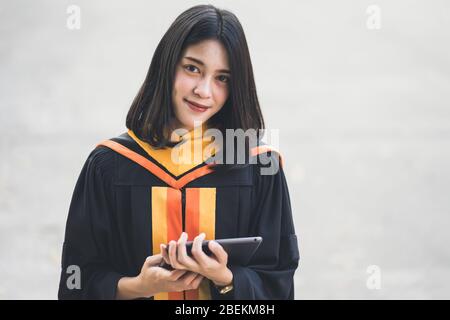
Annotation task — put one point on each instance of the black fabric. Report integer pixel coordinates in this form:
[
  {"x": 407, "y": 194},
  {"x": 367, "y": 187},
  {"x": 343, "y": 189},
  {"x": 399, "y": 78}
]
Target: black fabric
[
  {"x": 126, "y": 140},
  {"x": 108, "y": 230}
]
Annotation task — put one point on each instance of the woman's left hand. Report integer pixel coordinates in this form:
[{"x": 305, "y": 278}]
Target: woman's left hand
[{"x": 212, "y": 267}]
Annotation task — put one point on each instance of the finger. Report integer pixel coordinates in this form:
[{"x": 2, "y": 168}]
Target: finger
[
  {"x": 191, "y": 277},
  {"x": 176, "y": 274},
  {"x": 196, "y": 282},
  {"x": 153, "y": 260},
  {"x": 218, "y": 251},
  {"x": 197, "y": 251},
  {"x": 171, "y": 252},
  {"x": 173, "y": 256},
  {"x": 186, "y": 280},
  {"x": 164, "y": 253},
  {"x": 163, "y": 273},
  {"x": 182, "y": 256}
]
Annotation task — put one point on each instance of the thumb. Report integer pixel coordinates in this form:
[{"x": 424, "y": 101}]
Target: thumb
[
  {"x": 153, "y": 260},
  {"x": 218, "y": 251}
]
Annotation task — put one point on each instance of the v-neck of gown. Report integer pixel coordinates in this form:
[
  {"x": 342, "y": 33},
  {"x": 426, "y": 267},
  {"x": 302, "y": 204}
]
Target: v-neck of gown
[{"x": 178, "y": 159}]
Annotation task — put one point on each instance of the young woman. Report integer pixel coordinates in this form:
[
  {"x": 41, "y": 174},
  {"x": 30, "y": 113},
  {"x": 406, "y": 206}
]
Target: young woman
[{"x": 132, "y": 198}]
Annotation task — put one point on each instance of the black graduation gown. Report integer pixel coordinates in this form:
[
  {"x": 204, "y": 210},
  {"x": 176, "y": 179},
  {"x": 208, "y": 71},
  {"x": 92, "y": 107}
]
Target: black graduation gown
[{"x": 109, "y": 226}]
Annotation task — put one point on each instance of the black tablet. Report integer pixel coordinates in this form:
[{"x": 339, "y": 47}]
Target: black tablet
[{"x": 239, "y": 250}]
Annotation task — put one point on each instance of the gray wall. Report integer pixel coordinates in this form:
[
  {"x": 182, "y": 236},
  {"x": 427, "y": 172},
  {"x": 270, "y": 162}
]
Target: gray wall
[{"x": 364, "y": 118}]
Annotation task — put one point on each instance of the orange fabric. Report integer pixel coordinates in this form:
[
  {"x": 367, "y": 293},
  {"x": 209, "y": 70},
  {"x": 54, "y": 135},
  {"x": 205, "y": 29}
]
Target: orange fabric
[
  {"x": 161, "y": 174},
  {"x": 207, "y": 224},
  {"x": 153, "y": 168},
  {"x": 191, "y": 176},
  {"x": 192, "y": 226},
  {"x": 184, "y": 156},
  {"x": 261, "y": 149},
  {"x": 207, "y": 212},
  {"x": 166, "y": 225},
  {"x": 174, "y": 218},
  {"x": 200, "y": 217},
  {"x": 167, "y": 210},
  {"x": 159, "y": 225}
]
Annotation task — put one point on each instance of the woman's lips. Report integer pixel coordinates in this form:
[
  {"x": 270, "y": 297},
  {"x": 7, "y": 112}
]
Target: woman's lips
[{"x": 195, "y": 107}]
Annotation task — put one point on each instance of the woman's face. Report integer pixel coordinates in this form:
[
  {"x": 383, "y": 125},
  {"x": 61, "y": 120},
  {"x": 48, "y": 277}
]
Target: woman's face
[{"x": 201, "y": 77}]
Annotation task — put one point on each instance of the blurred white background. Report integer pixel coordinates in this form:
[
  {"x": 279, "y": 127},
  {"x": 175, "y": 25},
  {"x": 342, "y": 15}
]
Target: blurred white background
[{"x": 364, "y": 116}]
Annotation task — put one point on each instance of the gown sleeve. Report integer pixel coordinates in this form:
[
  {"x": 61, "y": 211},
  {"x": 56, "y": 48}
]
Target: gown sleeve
[
  {"x": 88, "y": 229},
  {"x": 270, "y": 273}
]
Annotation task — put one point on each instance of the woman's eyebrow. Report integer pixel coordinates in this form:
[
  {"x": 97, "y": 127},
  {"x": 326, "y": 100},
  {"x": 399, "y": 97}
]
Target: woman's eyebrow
[{"x": 200, "y": 62}]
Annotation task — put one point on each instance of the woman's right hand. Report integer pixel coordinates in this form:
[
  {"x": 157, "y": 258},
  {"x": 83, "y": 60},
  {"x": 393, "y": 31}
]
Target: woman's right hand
[{"x": 154, "y": 279}]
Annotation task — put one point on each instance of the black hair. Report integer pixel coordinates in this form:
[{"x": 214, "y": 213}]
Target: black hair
[{"x": 152, "y": 108}]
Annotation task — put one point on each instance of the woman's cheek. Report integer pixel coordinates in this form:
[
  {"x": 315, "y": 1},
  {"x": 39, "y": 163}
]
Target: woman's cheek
[
  {"x": 183, "y": 82},
  {"x": 182, "y": 85}
]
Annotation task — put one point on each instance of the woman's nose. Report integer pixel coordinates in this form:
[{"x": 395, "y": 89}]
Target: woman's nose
[{"x": 203, "y": 88}]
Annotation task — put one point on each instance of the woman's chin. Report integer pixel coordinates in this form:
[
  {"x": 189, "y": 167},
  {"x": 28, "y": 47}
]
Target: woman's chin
[{"x": 194, "y": 122}]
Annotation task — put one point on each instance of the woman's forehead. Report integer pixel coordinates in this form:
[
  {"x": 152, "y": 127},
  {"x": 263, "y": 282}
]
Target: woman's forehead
[{"x": 209, "y": 53}]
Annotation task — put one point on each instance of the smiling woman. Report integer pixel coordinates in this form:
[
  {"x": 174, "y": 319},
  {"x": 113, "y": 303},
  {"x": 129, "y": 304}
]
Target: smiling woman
[
  {"x": 201, "y": 83},
  {"x": 203, "y": 59},
  {"x": 131, "y": 199}
]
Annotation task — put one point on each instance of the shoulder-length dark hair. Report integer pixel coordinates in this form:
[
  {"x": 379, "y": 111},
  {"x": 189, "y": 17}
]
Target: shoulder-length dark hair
[{"x": 152, "y": 108}]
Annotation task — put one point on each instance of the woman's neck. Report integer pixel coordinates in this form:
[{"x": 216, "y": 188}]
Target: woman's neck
[{"x": 176, "y": 125}]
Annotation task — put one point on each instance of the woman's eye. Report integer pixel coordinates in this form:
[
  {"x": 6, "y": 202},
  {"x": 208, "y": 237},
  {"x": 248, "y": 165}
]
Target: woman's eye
[
  {"x": 223, "y": 78},
  {"x": 190, "y": 67}
]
